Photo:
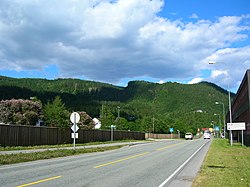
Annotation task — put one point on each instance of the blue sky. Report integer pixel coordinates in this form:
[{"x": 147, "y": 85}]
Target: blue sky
[{"x": 123, "y": 40}]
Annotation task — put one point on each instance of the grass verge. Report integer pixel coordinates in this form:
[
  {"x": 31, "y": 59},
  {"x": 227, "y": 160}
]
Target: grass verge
[
  {"x": 225, "y": 165},
  {"x": 8, "y": 148},
  {"x": 25, "y": 157}
]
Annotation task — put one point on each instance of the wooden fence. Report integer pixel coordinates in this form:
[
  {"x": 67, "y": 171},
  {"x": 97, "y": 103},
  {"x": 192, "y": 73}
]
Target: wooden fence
[
  {"x": 17, "y": 135},
  {"x": 162, "y": 136}
]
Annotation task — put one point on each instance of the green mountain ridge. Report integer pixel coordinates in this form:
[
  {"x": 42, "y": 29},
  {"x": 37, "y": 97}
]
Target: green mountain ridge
[{"x": 170, "y": 104}]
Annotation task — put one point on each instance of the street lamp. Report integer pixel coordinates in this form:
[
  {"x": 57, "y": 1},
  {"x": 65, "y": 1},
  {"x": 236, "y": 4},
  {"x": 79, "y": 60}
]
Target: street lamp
[
  {"x": 178, "y": 134},
  {"x": 224, "y": 117},
  {"x": 118, "y": 112},
  {"x": 118, "y": 115},
  {"x": 153, "y": 124},
  {"x": 219, "y": 121},
  {"x": 229, "y": 103}
]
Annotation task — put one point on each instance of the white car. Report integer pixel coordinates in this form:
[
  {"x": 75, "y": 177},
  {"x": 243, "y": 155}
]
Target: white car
[
  {"x": 188, "y": 136},
  {"x": 206, "y": 135}
]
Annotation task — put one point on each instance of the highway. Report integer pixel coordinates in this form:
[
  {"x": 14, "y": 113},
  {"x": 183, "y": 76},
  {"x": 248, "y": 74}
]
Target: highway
[{"x": 156, "y": 164}]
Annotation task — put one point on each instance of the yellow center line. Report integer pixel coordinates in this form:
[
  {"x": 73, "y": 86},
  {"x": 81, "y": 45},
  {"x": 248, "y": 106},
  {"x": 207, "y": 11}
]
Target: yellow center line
[
  {"x": 113, "y": 162},
  {"x": 40, "y": 181},
  {"x": 159, "y": 149}
]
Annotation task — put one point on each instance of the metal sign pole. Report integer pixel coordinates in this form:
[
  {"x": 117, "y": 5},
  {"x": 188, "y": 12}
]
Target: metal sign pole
[
  {"x": 74, "y": 118},
  {"x": 74, "y": 131},
  {"x": 242, "y": 137},
  {"x": 111, "y": 133}
]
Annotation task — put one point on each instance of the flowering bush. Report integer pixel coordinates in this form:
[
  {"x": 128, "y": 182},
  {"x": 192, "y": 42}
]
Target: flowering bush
[
  {"x": 20, "y": 112},
  {"x": 86, "y": 122}
]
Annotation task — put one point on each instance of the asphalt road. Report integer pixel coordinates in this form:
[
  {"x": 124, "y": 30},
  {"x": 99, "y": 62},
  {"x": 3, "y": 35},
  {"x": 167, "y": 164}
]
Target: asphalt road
[{"x": 156, "y": 164}]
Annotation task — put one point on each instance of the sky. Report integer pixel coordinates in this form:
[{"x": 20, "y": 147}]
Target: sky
[{"x": 117, "y": 41}]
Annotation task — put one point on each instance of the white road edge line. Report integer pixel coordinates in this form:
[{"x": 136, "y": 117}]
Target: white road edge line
[{"x": 178, "y": 169}]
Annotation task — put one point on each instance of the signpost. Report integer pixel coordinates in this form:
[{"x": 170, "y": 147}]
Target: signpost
[
  {"x": 112, "y": 132},
  {"x": 74, "y": 118},
  {"x": 217, "y": 129},
  {"x": 237, "y": 126},
  {"x": 171, "y": 130},
  {"x": 179, "y": 135}
]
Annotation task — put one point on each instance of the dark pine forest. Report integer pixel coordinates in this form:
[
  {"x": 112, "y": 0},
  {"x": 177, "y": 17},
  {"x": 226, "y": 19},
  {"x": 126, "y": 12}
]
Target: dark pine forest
[{"x": 139, "y": 105}]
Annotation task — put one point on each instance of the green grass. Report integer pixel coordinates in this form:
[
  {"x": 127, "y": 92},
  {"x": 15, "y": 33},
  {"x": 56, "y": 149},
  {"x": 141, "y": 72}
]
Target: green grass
[
  {"x": 47, "y": 154},
  {"x": 8, "y": 148},
  {"x": 25, "y": 157},
  {"x": 225, "y": 165}
]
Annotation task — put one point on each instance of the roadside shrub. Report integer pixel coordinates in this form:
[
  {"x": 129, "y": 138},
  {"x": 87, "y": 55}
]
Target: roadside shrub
[{"x": 20, "y": 112}]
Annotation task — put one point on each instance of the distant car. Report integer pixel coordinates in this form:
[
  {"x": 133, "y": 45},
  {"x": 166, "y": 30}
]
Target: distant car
[
  {"x": 206, "y": 135},
  {"x": 188, "y": 136}
]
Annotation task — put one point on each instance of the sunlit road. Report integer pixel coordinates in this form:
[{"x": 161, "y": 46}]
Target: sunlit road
[{"x": 162, "y": 163}]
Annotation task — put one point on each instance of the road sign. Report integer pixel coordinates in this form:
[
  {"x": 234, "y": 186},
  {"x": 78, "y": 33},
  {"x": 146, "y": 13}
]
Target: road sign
[
  {"x": 236, "y": 126},
  {"x": 74, "y": 128},
  {"x": 74, "y": 117},
  {"x": 74, "y": 135},
  {"x": 171, "y": 129},
  {"x": 217, "y": 128}
]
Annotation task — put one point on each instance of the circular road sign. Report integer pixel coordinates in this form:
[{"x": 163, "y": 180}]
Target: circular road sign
[{"x": 74, "y": 117}]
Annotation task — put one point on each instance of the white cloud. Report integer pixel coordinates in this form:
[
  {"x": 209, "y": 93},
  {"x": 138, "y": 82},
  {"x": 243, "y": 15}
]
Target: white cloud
[
  {"x": 110, "y": 41},
  {"x": 194, "y": 16},
  {"x": 112, "y": 20},
  {"x": 161, "y": 82},
  {"x": 195, "y": 80},
  {"x": 217, "y": 73},
  {"x": 230, "y": 67}
]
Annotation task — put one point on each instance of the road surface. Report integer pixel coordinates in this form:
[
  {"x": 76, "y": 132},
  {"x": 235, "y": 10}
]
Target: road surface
[{"x": 156, "y": 164}]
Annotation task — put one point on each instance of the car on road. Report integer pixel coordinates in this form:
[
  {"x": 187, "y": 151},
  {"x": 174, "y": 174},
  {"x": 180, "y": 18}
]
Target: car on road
[
  {"x": 188, "y": 136},
  {"x": 206, "y": 135}
]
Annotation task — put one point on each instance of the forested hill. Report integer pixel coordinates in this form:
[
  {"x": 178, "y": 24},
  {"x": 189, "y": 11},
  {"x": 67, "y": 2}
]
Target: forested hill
[{"x": 138, "y": 101}]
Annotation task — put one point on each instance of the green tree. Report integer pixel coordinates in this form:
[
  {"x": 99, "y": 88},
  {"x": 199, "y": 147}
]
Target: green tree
[
  {"x": 107, "y": 118},
  {"x": 121, "y": 124},
  {"x": 55, "y": 113}
]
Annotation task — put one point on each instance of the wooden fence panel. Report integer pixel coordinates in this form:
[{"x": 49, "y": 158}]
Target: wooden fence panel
[
  {"x": 43, "y": 136},
  {"x": 64, "y": 136},
  {"x": 35, "y": 135},
  {"x": 106, "y": 135},
  {"x": 17, "y": 135},
  {"x": 23, "y": 135},
  {"x": 98, "y": 136},
  {"x": 4, "y": 135},
  {"x": 52, "y": 136}
]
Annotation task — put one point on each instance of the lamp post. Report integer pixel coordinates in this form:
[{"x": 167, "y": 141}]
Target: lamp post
[
  {"x": 178, "y": 134},
  {"x": 153, "y": 124},
  {"x": 229, "y": 104},
  {"x": 118, "y": 116},
  {"x": 118, "y": 112},
  {"x": 219, "y": 121},
  {"x": 224, "y": 117}
]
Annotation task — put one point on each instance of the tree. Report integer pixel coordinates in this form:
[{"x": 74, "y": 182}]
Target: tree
[
  {"x": 107, "y": 118},
  {"x": 55, "y": 113},
  {"x": 121, "y": 124}
]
